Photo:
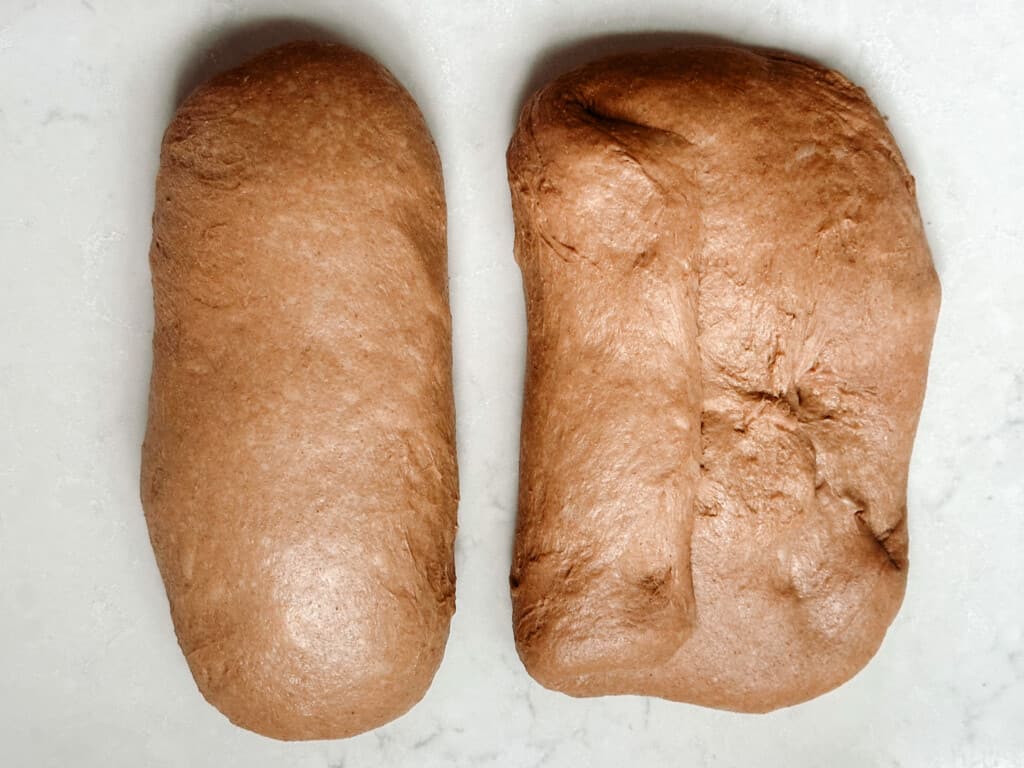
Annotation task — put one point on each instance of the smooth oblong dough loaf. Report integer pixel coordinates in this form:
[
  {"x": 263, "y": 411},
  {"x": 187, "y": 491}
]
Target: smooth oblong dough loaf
[
  {"x": 299, "y": 475},
  {"x": 730, "y": 304}
]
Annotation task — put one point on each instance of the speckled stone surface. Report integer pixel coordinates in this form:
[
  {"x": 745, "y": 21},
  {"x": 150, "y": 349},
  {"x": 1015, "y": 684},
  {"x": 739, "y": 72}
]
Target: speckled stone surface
[{"x": 90, "y": 673}]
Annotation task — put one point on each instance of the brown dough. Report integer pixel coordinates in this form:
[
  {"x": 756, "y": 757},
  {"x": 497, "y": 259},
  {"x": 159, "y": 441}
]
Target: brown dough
[
  {"x": 730, "y": 304},
  {"x": 299, "y": 474}
]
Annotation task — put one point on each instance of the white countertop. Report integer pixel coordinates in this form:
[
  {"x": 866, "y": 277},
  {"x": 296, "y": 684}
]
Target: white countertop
[{"x": 90, "y": 673}]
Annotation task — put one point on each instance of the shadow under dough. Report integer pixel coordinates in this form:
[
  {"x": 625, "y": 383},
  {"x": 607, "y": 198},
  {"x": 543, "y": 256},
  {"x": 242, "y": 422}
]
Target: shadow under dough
[
  {"x": 566, "y": 56},
  {"x": 219, "y": 51},
  {"x": 369, "y": 29}
]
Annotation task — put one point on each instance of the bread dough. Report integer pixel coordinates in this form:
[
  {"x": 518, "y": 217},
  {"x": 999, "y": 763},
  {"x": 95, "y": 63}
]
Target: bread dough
[
  {"x": 299, "y": 476},
  {"x": 731, "y": 304}
]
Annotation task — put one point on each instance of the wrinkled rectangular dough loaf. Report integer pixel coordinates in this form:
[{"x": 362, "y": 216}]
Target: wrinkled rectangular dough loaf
[{"x": 730, "y": 304}]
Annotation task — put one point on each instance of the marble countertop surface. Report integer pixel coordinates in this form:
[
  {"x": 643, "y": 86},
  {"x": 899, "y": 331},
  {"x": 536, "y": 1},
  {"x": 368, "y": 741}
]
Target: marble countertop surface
[{"x": 90, "y": 673}]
